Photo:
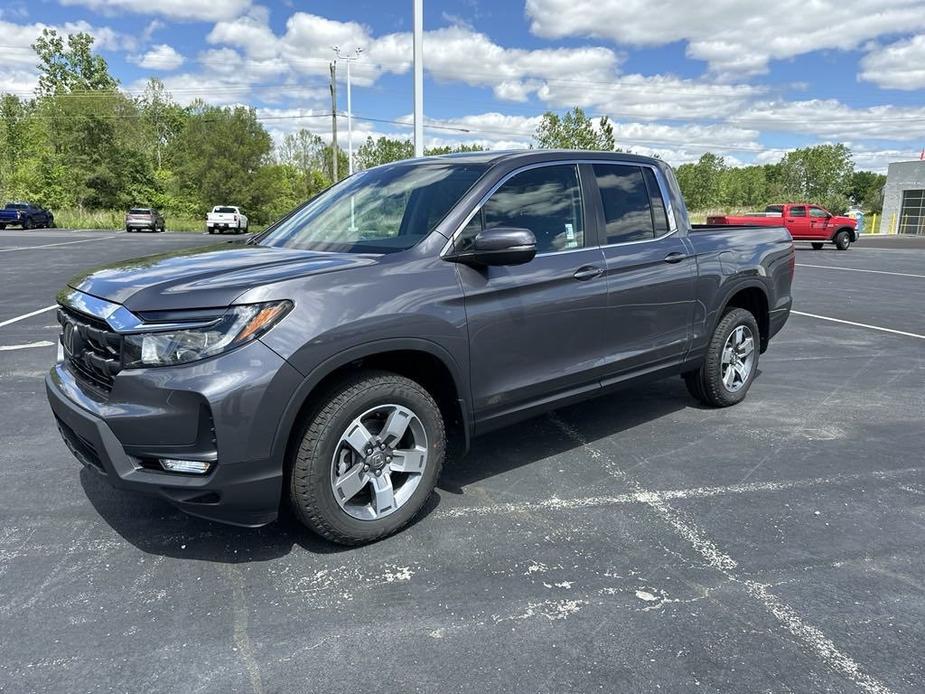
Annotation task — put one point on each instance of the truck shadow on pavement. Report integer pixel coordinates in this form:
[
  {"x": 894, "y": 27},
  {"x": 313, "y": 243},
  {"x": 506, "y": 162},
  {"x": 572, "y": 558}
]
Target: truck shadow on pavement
[{"x": 155, "y": 527}]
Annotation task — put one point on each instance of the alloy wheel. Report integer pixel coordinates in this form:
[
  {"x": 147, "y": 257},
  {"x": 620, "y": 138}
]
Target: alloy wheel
[{"x": 738, "y": 358}]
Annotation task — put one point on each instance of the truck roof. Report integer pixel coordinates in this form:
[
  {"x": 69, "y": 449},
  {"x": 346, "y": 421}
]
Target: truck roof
[{"x": 528, "y": 156}]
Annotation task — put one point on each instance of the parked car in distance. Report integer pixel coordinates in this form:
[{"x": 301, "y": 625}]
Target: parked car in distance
[
  {"x": 326, "y": 363},
  {"x": 804, "y": 222},
  {"x": 142, "y": 218},
  {"x": 26, "y": 215},
  {"x": 224, "y": 218}
]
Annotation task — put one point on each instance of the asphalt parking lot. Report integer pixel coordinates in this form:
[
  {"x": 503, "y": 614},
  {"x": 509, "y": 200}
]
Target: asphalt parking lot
[{"x": 635, "y": 543}]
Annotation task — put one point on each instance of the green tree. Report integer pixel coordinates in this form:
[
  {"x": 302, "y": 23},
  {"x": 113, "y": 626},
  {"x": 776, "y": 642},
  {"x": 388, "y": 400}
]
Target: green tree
[
  {"x": 866, "y": 190},
  {"x": 382, "y": 150},
  {"x": 162, "y": 120},
  {"x": 218, "y": 154},
  {"x": 820, "y": 174},
  {"x": 70, "y": 66},
  {"x": 701, "y": 183},
  {"x": 452, "y": 149},
  {"x": 574, "y": 130}
]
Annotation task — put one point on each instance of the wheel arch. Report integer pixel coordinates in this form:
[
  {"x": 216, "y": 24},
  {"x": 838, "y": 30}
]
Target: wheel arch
[
  {"x": 753, "y": 297},
  {"x": 851, "y": 232},
  {"x": 420, "y": 360}
]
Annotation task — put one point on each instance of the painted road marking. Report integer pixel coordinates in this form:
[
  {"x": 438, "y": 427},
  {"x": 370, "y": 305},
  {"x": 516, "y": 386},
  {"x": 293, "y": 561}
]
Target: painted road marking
[
  {"x": 10, "y": 321},
  {"x": 857, "y": 269},
  {"x": 848, "y": 322},
  {"x": 51, "y": 245},
  {"x": 812, "y": 638},
  {"x": 40, "y": 343}
]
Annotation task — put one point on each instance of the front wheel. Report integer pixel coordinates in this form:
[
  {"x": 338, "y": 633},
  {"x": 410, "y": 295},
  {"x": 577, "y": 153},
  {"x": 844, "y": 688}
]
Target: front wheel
[
  {"x": 27, "y": 223},
  {"x": 731, "y": 361},
  {"x": 842, "y": 240},
  {"x": 817, "y": 246},
  {"x": 369, "y": 457}
]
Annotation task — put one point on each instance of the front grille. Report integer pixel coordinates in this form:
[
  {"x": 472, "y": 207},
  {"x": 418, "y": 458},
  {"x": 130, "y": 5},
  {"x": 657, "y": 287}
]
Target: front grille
[
  {"x": 91, "y": 348},
  {"x": 82, "y": 448}
]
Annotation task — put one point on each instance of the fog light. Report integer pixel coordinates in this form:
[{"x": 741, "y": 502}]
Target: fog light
[{"x": 195, "y": 467}]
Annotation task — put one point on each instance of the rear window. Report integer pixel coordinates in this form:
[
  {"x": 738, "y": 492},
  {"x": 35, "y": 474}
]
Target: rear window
[
  {"x": 627, "y": 205},
  {"x": 140, "y": 210},
  {"x": 225, "y": 210}
]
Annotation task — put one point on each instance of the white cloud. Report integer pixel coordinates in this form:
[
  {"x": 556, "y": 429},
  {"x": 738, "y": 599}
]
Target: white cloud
[
  {"x": 899, "y": 65},
  {"x": 161, "y": 57},
  {"x": 203, "y": 10},
  {"x": 830, "y": 118},
  {"x": 734, "y": 38},
  {"x": 18, "y": 62}
]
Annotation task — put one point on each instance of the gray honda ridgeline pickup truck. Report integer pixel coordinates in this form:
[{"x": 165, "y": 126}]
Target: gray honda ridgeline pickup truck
[{"x": 325, "y": 362}]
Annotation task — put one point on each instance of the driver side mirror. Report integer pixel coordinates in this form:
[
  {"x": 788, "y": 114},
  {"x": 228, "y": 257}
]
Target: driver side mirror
[{"x": 499, "y": 246}]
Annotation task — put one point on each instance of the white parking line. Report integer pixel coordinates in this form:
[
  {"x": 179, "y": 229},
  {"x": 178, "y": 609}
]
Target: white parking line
[
  {"x": 50, "y": 245},
  {"x": 10, "y": 321},
  {"x": 857, "y": 269},
  {"x": 30, "y": 345},
  {"x": 859, "y": 325}
]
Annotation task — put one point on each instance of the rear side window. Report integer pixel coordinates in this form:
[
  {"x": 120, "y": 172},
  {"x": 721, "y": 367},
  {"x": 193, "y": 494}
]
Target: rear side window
[
  {"x": 797, "y": 211},
  {"x": 546, "y": 200},
  {"x": 659, "y": 215},
  {"x": 627, "y": 206}
]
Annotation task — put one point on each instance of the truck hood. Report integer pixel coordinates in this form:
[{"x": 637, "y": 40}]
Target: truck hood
[{"x": 209, "y": 277}]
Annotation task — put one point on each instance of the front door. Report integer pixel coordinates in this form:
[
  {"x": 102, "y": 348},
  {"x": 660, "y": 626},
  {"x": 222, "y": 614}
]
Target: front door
[
  {"x": 535, "y": 330},
  {"x": 819, "y": 226},
  {"x": 797, "y": 222},
  {"x": 650, "y": 272}
]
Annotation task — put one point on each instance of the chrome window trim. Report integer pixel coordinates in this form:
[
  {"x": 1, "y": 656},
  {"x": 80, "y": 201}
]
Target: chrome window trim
[{"x": 659, "y": 178}]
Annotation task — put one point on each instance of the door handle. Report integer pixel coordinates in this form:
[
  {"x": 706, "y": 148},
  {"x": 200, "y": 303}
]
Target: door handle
[
  {"x": 587, "y": 272},
  {"x": 675, "y": 257}
]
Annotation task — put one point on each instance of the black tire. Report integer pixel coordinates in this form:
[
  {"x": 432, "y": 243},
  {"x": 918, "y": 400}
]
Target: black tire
[
  {"x": 310, "y": 493},
  {"x": 817, "y": 246},
  {"x": 842, "y": 240},
  {"x": 2, "y": 227},
  {"x": 211, "y": 231},
  {"x": 128, "y": 230},
  {"x": 706, "y": 383},
  {"x": 27, "y": 223}
]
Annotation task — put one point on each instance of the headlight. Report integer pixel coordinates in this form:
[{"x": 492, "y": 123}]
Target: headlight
[{"x": 238, "y": 325}]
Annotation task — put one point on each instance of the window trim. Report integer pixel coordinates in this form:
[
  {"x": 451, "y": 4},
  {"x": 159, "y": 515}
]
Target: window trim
[{"x": 662, "y": 186}]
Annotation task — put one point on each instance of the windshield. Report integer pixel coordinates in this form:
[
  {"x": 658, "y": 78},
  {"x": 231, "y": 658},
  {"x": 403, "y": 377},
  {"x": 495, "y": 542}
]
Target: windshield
[
  {"x": 17, "y": 206},
  {"x": 225, "y": 210},
  {"x": 383, "y": 210}
]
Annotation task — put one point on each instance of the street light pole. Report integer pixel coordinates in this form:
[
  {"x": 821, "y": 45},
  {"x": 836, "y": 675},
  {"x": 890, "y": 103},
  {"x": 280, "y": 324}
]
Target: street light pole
[
  {"x": 419, "y": 78},
  {"x": 349, "y": 59}
]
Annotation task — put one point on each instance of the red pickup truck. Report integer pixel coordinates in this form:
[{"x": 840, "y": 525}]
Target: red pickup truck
[{"x": 804, "y": 222}]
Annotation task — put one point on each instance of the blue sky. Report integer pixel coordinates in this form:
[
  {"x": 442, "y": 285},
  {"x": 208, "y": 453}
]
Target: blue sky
[{"x": 746, "y": 79}]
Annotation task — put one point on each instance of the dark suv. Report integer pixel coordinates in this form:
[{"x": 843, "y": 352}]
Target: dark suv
[{"x": 325, "y": 362}]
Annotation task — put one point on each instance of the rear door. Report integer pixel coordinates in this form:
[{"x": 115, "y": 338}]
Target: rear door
[
  {"x": 796, "y": 220},
  {"x": 650, "y": 271},
  {"x": 535, "y": 330}
]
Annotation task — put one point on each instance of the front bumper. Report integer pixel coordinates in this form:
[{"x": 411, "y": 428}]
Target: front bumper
[{"x": 227, "y": 407}]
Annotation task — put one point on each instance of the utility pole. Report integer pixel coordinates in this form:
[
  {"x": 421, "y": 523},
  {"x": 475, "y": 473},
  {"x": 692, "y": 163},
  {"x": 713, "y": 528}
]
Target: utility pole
[
  {"x": 349, "y": 59},
  {"x": 419, "y": 78},
  {"x": 334, "y": 121}
]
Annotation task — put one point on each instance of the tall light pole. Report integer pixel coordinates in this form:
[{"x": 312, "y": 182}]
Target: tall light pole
[
  {"x": 419, "y": 78},
  {"x": 349, "y": 59}
]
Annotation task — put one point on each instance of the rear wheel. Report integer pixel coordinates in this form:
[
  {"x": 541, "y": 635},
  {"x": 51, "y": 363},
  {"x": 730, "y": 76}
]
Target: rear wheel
[
  {"x": 842, "y": 240},
  {"x": 731, "y": 361},
  {"x": 817, "y": 246},
  {"x": 369, "y": 457}
]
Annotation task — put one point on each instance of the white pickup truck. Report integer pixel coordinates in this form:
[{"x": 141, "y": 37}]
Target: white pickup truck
[{"x": 224, "y": 217}]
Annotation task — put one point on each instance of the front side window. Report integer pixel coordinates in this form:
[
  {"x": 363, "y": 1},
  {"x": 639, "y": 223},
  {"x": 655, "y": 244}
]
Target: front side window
[
  {"x": 628, "y": 214},
  {"x": 382, "y": 210},
  {"x": 797, "y": 211},
  {"x": 546, "y": 200},
  {"x": 817, "y": 212}
]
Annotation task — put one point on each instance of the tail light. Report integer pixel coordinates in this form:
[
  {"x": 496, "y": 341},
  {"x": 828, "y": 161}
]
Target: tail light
[{"x": 236, "y": 218}]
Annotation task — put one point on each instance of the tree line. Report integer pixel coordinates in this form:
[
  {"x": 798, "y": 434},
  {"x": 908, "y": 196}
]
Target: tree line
[{"x": 82, "y": 143}]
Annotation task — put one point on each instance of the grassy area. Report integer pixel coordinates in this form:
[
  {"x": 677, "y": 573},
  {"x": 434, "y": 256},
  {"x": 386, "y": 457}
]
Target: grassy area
[{"x": 115, "y": 220}]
